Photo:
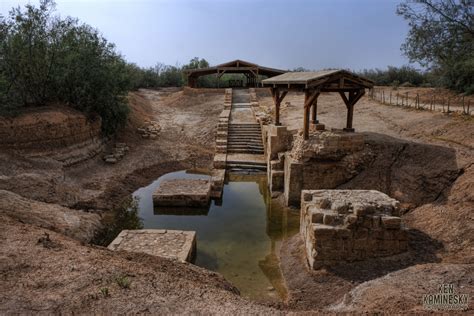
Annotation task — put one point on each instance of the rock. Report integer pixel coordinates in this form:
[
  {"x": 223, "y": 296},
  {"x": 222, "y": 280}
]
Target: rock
[
  {"x": 391, "y": 221},
  {"x": 111, "y": 160}
]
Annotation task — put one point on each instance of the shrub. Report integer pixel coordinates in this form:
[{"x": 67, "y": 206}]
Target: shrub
[
  {"x": 123, "y": 281},
  {"x": 45, "y": 59}
]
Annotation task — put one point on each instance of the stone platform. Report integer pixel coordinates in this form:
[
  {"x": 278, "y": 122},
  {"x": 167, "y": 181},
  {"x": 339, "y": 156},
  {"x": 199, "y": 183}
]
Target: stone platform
[
  {"x": 172, "y": 244},
  {"x": 349, "y": 225},
  {"x": 183, "y": 192}
]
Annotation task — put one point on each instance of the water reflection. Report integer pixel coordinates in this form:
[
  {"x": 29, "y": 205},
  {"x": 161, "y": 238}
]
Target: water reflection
[{"x": 240, "y": 238}]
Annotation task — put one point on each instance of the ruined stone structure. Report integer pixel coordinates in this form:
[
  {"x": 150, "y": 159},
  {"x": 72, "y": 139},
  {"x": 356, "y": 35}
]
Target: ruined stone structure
[
  {"x": 349, "y": 225},
  {"x": 323, "y": 161},
  {"x": 172, "y": 244}
]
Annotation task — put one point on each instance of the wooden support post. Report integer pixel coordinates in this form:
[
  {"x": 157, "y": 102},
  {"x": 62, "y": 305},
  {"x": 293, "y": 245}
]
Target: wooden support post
[
  {"x": 314, "y": 112},
  {"x": 354, "y": 96},
  {"x": 309, "y": 99},
  {"x": 306, "y": 119},
  {"x": 277, "y": 98}
]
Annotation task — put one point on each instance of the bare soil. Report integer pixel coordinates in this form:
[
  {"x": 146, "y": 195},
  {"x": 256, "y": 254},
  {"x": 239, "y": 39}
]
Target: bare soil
[{"x": 424, "y": 159}]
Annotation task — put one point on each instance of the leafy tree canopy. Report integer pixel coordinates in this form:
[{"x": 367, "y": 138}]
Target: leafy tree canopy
[{"x": 441, "y": 37}]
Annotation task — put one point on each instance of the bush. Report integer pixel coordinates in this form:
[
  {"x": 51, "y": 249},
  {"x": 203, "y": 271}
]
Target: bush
[{"x": 45, "y": 59}]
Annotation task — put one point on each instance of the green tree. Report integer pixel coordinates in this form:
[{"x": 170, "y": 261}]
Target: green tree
[
  {"x": 441, "y": 37},
  {"x": 46, "y": 59}
]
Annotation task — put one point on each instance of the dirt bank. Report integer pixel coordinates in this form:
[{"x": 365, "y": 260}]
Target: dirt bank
[{"x": 59, "y": 275}]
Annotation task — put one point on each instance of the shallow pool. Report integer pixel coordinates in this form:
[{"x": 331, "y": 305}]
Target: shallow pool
[{"x": 239, "y": 238}]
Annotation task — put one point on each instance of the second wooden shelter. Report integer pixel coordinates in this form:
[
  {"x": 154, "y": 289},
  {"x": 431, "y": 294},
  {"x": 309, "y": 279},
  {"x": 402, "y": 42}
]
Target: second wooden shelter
[{"x": 350, "y": 86}]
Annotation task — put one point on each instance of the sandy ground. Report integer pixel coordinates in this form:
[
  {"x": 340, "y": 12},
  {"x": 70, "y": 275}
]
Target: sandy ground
[{"x": 63, "y": 274}]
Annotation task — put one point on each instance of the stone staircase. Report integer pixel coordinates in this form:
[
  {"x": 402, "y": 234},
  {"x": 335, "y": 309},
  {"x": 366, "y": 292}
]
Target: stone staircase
[{"x": 245, "y": 138}]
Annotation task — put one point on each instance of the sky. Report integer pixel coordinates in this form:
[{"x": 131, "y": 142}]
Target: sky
[{"x": 350, "y": 34}]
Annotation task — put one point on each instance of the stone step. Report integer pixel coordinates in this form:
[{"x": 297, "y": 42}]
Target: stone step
[
  {"x": 244, "y": 139},
  {"x": 242, "y": 143},
  {"x": 257, "y": 127},
  {"x": 253, "y": 146},
  {"x": 237, "y": 143},
  {"x": 245, "y": 167},
  {"x": 245, "y": 148},
  {"x": 253, "y": 129},
  {"x": 245, "y": 130},
  {"x": 245, "y": 151},
  {"x": 243, "y": 135},
  {"x": 253, "y": 163},
  {"x": 242, "y": 125}
]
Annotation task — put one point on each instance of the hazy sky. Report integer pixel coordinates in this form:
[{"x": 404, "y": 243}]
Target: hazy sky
[{"x": 316, "y": 34}]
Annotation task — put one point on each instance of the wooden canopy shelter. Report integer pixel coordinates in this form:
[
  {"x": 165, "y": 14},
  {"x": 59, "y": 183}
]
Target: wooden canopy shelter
[
  {"x": 350, "y": 86},
  {"x": 251, "y": 72}
]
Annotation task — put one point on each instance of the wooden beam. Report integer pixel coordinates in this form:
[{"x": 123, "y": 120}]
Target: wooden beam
[
  {"x": 310, "y": 96},
  {"x": 277, "y": 99},
  {"x": 354, "y": 96},
  {"x": 307, "y": 97}
]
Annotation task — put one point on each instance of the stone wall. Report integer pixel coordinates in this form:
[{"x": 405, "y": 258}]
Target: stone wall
[
  {"x": 324, "y": 161},
  {"x": 349, "y": 225},
  {"x": 60, "y": 133},
  {"x": 222, "y": 132}
]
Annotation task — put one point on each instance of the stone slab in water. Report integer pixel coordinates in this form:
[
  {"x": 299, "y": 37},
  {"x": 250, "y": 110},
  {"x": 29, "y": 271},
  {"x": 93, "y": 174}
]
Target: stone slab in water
[
  {"x": 172, "y": 244},
  {"x": 183, "y": 192}
]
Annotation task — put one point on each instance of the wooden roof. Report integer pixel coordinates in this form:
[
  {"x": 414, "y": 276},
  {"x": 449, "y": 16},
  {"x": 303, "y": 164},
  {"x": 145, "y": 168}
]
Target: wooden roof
[
  {"x": 235, "y": 66},
  {"x": 325, "y": 79}
]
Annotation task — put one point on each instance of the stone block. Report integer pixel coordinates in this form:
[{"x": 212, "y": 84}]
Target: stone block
[
  {"x": 329, "y": 218},
  {"x": 391, "y": 222},
  {"x": 317, "y": 217},
  {"x": 340, "y": 207},
  {"x": 351, "y": 229},
  {"x": 323, "y": 230},
  {"x": 220, "y": 161},
  {"x": 172, "y": 244},
  {"x": 350, "y": 219},
  {"x": 183, "y": 192}
]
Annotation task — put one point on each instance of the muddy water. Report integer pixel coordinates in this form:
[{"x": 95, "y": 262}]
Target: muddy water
[{"x": 238, "y": 237}]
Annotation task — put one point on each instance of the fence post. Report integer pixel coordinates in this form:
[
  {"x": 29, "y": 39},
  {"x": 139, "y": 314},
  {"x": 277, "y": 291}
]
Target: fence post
[
  {"x": 448, "y": 104},
  {"x": 390, "y": 100},
  {"x": 407, "y": 99},
  {"x": 463, "y": 108},
  {"x": 468, "y": 105},
  {"x": 397, "y": 98}
]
